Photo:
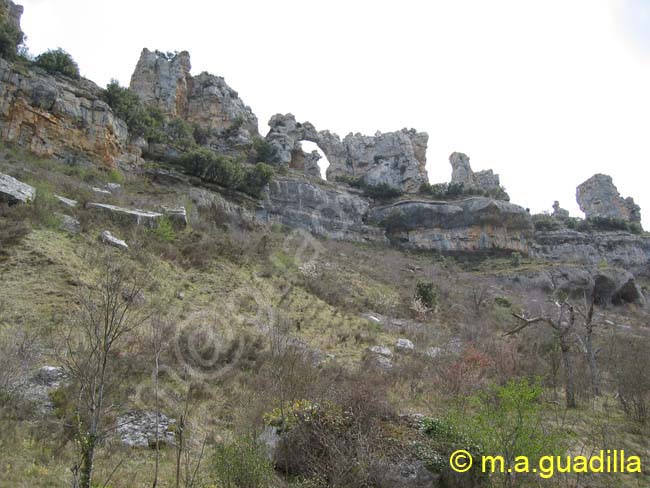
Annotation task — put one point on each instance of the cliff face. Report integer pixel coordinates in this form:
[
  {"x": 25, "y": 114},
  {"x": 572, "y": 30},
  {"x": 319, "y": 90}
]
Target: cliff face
[
  {"x": 164, "y": 81},
  {"x": 474, "y": 224},
  {"x": 622, "y": 249},
  {"x": 58, "y": 117}
]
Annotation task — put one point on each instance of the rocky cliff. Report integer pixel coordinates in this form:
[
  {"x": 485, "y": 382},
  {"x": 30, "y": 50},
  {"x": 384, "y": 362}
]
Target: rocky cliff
[
  {"x": 55, "y": 116},
  {"x": 397, "y": 159},
  {"x": 473, "y": 224},
  {"x": 164, "y": 81}
]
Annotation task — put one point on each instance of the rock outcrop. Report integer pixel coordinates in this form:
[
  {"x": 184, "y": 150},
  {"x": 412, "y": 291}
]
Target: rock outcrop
[
  {"x": 326, "y": 211},
  {"x": 59, "y": 117},
  {"x": 138, "y": 429},
  {"x": 397, "y": 159},
  {"x": 473, "y": 224},
  {"x": 13, "y": 191},
  {"x": 598, "y": 197},
  {"x": 558, "y": 212},
  {"x": 616, "y": 248},
  {"x": 177, "y": 216},
  {"x": 462, "y": 174},
  {"x": 606, "y": 286},
  {"x": 164, "y": 81},
  {"x": 54, "y": 116}
]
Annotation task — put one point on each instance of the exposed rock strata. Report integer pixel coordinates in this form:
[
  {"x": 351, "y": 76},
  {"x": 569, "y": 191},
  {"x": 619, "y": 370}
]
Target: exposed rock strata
[
  {"x": 61, "y": 118},
  {"x": 164, "y": 81},
  {"x": 326, "y": 211},
  {"x": 473, "y": 224},
  {"x": 13, "y": 191},
  {"x": 621, "y": 249}
]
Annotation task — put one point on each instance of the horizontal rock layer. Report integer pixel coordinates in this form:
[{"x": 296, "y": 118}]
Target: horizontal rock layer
[
  {"x": 474, "y": 224},
  {"x": 622, "y": 249},
  {"x": 59, "y": 117}
]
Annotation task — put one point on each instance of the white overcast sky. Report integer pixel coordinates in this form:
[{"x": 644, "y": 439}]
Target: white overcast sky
[{"x": 545, "y": 92}]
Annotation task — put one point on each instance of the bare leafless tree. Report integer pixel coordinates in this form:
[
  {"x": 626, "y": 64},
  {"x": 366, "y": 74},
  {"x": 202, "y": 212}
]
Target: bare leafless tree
[
  {"x": 562, "y": 320},
  {"x": 586, "y": 312},
  {"x": 107, "y": 312}
]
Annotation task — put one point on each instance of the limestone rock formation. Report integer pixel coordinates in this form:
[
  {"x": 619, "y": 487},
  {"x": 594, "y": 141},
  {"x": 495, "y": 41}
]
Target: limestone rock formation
[
  {"x": 598, "y": 197},
  {"x": 397, "y": 159},
  {"x": 299, "y": 203},
  {"x": 61, "y": 118},
  {"x": 606, "y": 286},
  {"x": 13, "y": 191},
  {"x": 559, "y": 212},
  {"x": 473, "y": 224},
  {"x": 462, "y": 174},
  {"x": 622, "y": 249},
  {"x": 108, "y": 238},
  {"x": 164, "y": 81},
  {"x": 142, "y": 217}
]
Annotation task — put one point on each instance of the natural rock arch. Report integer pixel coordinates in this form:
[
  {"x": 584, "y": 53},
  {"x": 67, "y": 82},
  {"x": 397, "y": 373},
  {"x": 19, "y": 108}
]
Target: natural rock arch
[{"x": 397, "y": 159}]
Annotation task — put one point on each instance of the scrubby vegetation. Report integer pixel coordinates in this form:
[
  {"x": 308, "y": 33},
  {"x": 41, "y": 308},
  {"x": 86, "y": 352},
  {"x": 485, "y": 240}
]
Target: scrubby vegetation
[
  {"x": 546, "y": 222},
  {"x": 244, "y": 332},
  {"x": 451, "y": 191},
  {"x": 58, "y": 61},
  {"x": 226, "y": 171}
]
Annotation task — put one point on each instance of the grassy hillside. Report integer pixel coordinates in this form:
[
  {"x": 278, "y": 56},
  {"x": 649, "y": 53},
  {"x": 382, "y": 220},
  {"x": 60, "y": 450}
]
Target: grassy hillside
[{"x": 252, "y": 319}]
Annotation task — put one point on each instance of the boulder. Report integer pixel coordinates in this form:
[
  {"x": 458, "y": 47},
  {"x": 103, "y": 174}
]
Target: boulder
[
  {"x": 138, "y": 429},
  {"x": 598, "y": 197},
  {"x": 69, "y": 224},
  {"x": 381, "y": 351},
  {"x": 66, "y": 201},
  {"x": 13, "y": 191},
  {"x": 43, "y": 382},
  {"x": 177, "y": 216},
  {"x": 111, "y": 240},
  {"x": 404, "y": 345}
]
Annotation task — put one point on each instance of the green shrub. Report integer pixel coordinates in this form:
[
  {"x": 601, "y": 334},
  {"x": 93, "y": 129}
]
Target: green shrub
[
  {"x": 242, "y": 464},
  {"x": 449, "y": 191},
  {"x": 426, "y": 293},
  {"x": 164, "y": 230},
  {"x": 256, "y": 179},
  {"x": 226, "y": 171},
  {"x": 147, "y": 122},
  {"x": 180, "y": 133},
  {"x": 515, "y": 259},
  {"x": 353, "y": 181},
  {"x": 57, "y": 61},
  {"x": 265, "y": 152},
  {"x": 382, "y": 191},
  {"x": 544, "y": 223}
]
